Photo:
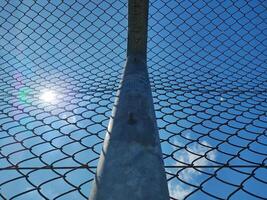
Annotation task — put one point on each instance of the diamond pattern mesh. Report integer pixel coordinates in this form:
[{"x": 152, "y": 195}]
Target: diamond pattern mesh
[{"x": 61, "y": 64}]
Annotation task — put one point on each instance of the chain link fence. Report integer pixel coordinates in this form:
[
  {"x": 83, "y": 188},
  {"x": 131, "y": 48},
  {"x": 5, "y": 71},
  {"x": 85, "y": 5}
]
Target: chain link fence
[{"x": 61, "y": 64}]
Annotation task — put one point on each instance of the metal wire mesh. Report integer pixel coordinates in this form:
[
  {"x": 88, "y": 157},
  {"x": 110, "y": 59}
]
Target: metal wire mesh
[{"x": 61, "y": 64}]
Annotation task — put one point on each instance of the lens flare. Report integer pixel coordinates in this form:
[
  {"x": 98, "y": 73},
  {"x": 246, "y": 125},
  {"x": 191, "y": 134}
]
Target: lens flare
[{"x": 24, "y": 94}]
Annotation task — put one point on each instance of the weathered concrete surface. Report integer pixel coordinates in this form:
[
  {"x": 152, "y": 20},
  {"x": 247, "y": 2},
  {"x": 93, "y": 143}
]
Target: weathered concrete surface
[
  {"x": 130, "y": 165},
  {"x": 137, "y": 27}
]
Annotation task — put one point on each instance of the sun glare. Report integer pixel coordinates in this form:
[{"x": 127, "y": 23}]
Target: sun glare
[{"x": 48, "y": 96}]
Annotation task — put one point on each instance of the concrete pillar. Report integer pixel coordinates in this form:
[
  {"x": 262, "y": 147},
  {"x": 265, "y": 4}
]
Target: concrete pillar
[{"x": 131, "y": 165}]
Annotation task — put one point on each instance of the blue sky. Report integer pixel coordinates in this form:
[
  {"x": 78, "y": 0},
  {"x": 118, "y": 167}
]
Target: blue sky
[{"x": 207, "y": 65}]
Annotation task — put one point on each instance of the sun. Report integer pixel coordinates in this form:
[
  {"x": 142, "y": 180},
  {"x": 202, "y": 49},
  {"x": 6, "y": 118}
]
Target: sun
[{"x": 48, "y": 96}]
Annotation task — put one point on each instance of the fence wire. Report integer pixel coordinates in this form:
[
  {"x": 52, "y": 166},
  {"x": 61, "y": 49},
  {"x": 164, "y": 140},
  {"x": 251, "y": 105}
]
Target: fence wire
[{"x": 61, "y": 63}]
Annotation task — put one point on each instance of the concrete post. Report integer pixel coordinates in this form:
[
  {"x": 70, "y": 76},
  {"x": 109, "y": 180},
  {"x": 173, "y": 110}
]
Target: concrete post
[{"x": 131, "y": 165}]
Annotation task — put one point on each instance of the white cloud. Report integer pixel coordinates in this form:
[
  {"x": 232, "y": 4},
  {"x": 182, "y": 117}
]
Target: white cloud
[
  {"x": 190, "y": 175},
  {"x": 178, "y": 191}
]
